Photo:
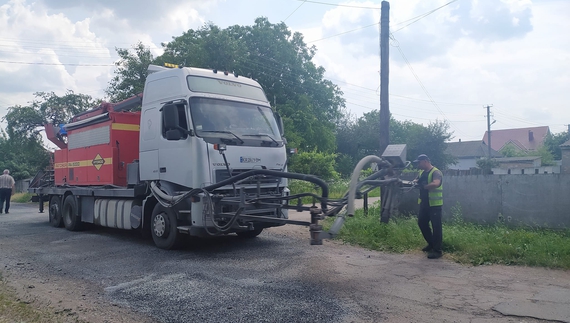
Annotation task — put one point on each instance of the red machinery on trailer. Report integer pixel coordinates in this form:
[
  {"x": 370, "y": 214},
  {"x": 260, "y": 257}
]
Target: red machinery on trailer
[{"x": 98, "y": 145}]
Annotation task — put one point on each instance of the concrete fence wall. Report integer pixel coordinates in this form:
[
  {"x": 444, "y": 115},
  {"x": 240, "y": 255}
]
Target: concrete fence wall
[{"x": 535, "y": 200}]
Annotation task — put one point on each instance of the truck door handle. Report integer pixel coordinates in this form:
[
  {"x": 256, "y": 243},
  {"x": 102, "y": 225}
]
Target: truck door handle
[{"x": 163, "y": 169}]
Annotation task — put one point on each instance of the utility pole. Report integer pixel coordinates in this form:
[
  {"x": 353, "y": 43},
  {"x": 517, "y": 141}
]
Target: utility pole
[
  {"x": 384, "y": 76},
  {"x": 488, "y": 107},
  {"x": 386, "y": 209}
]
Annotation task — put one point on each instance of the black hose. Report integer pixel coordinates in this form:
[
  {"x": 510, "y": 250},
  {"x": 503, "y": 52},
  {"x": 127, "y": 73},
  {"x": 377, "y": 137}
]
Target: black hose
[{"x": 304, "y": 177}]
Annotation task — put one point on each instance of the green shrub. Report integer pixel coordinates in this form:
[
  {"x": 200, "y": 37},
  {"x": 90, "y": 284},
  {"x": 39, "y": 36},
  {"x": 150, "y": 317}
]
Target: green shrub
[
  {"x": 21, "y": 197},
  {"x": 315, "y": 163}
]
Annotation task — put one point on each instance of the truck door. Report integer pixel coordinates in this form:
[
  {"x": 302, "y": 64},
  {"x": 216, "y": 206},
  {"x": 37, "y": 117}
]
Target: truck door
[{"x": 174, "y": 158}]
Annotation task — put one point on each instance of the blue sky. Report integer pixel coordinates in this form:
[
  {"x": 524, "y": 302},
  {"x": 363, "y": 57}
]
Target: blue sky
[{"x": 448, "y": 65}]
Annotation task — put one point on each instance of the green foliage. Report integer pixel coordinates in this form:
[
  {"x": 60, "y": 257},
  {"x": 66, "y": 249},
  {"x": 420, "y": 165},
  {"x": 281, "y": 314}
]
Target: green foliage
[
  {"x": 303, "y": 128},
  {"x": 208, "y": 47},
  {"x": 23, "y": 156},
  {"x": 131, "y": 72},
  {"x": 510, "y": 150},
  {"x": 553, "y": 142},
  {"x": 314, "y": 163},
  {"x": 21, "y": 197},
  {"x": 499, "y": 244},
  {"x": 281, "y": 62},
  {"x": 486, "y": 164},
  {"x": 278, "y": 59},
  {"x": 337, "y": 190},
  {"x": 345, "y": 165},
  {"x": 463, "y": 242},
  {"x": 21, "y": 144},
  {"x": 27, "y": 121},
  {"x": 399, "y": 235},
  {"x": 360, "y": 138},
  {"x": 546, "y": 156}
]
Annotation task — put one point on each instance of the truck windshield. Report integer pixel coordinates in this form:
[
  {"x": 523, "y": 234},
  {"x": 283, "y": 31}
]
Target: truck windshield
[{"x": 237, "y": 118}]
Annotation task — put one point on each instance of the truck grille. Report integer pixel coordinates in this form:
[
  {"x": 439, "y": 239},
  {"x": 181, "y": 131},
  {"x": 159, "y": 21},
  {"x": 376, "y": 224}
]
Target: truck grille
[{"x": 222, "y": 174}]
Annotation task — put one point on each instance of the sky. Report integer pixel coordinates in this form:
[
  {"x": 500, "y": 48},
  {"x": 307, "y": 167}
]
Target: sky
[{"x": 448, "y": 61}]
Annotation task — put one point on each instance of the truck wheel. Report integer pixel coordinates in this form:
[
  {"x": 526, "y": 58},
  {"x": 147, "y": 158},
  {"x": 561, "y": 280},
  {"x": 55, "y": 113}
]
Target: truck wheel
[
  {"x": 249, "y": 234},
  {"x": 163, "y": 228},
  {"x": 55, "y": 219},
  {"x": 70, "y": 215}
]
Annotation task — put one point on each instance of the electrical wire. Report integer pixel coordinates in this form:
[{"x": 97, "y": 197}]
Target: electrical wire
[
  {"x": 340, "y": 5},
  {"x": 421, "y": 83},
  {"x": 424, "y": 15},
  {"x": 55, "y": 64},
  {"x": 294, "y": 10}
]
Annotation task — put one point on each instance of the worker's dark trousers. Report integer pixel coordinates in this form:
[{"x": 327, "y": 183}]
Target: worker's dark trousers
[
  {"x": 431, "y": 214},
  {"x": 5, "y": 194}
]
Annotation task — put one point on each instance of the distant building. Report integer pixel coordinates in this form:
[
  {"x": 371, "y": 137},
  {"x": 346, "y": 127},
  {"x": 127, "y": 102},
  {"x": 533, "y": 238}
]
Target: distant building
[
  {"x": 523, "y": 165},
  {"x": 522, "y": 139},
  {"x": 468, "y": 152}
]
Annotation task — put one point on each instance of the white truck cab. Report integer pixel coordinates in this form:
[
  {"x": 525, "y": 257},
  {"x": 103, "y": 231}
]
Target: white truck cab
[{"x": 210, "y": 108}]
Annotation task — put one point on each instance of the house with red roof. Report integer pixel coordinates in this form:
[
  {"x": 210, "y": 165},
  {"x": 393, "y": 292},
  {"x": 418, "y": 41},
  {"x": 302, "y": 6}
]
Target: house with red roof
[{"x": 523, "y": 139}]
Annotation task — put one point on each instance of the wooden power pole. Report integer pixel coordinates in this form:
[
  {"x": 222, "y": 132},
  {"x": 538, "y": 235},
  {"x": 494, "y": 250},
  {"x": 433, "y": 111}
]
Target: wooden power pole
[{"x": 384, "y": 76}]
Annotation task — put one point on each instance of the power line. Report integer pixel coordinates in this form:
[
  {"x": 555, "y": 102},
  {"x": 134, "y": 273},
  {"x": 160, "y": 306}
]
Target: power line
[
  {"x": 424, "y": 15},
  {"x": 56, "y": 64},
  {"x": 420, "y": 82},
  {"x": 294, "y": 10},
  {"x": 340, "y": 5},
  {"x": 342, "y": 33}
]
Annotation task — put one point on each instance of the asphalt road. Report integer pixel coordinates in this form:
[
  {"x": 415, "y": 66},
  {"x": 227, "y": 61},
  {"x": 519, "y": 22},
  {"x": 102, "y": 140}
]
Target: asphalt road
[{"x": 277, "y": 277}]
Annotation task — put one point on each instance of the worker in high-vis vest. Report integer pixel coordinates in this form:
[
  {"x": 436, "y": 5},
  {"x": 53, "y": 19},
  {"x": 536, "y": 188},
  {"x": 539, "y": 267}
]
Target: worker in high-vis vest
[{"x": 430, "y": 183}]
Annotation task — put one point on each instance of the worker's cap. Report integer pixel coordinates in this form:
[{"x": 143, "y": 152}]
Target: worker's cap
[{"x": 421, "y": 157}]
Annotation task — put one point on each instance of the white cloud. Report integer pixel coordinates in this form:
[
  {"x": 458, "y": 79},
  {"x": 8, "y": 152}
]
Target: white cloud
[{"x": 508, "y": 53}]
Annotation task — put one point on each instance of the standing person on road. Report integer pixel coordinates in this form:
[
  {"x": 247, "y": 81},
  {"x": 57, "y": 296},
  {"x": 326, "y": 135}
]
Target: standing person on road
[
  {"x": 430, "y": 183},
  {"x": 6, "y": 188}
]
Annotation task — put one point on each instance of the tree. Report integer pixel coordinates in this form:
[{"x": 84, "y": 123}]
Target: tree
[
  {"x": 553, "y": 142},
  {"x": 546, "y": 156},
  {"x": 487, "y": 164},
  {"x": 361, "y": 138},
  {"x": 21, "y": 143},
  {"x": 28, "y": 120},
  {"x": 22, "y": 156},
  {"x": 131, "y": 73},
  {"x": 280, "y": 61},
  {"x": 510, "y": 150},
  {"x": 207, "y": 47},
  {"x": 315, "y": 163}
]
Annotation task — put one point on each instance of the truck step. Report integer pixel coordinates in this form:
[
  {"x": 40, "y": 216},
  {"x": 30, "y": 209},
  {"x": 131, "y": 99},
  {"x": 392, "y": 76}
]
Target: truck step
[{"x": 184, "y": 229}]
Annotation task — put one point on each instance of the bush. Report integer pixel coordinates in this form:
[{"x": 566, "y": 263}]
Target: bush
[{"x": 315, "y": 163}]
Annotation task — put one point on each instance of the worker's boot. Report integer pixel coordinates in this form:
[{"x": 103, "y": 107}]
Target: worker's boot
[{"x": 434, "y": 254}]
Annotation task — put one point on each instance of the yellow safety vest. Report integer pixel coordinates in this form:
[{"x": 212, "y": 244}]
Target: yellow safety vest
[{"x": 436, "y": 194}]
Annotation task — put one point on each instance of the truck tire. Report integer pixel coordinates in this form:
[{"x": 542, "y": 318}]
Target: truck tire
[
  {"x": 163, "y": 226},
  {"x": 249, "y": 234},
  {"x": 70, "y": 214},
  {"x": 54, "y": 214}
]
